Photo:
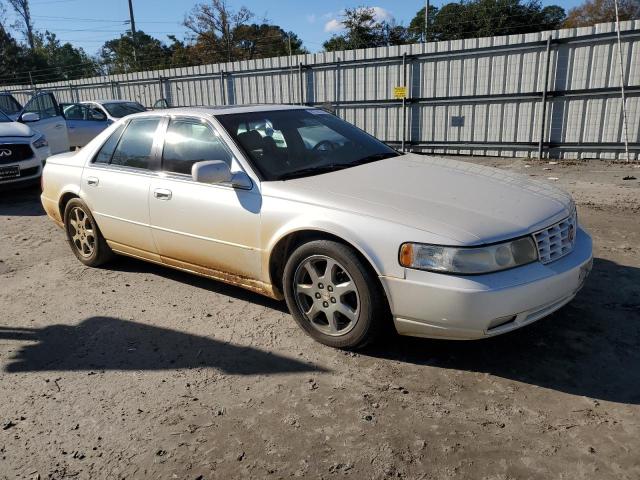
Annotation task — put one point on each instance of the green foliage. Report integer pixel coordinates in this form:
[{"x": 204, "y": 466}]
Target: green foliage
[
  {"x": 363, "y": 30},
  {"x": 224, "y": 35},
  {"x": 486, "y": 18},
  {"x": 134, "y": 52}
]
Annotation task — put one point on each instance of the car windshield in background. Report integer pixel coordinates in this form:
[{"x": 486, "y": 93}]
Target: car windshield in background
[
  {"x": 284, "y": 144},
  {"x": 4, "y": 118},
  {"x": 122, "y": 109},
  {"x": 9, "y": 105}
]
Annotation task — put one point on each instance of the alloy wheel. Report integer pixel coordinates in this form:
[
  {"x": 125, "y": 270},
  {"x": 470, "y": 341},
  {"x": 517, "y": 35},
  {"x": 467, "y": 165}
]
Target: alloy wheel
[
  {"x": 326, "y": 295},
  {"x": 82, "y": 232}
]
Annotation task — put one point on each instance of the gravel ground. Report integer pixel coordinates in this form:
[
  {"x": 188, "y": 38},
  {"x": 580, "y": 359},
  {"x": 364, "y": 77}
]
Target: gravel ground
[{"x": 137, "y": 371}]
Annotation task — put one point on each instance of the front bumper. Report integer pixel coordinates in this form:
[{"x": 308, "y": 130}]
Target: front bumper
[
  {"x": 435, "y": 305},
  {"x": 30, "y": 169}
]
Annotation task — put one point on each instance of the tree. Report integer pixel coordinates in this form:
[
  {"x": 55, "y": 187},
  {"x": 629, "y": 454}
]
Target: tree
[
  {"x": 63, "y": 59},
  {"x": 601, "y": 11},
  {"x": 214, "y": 25},
  {"x": 363, "y": 30},
  {"x": 130, "y": 53},
  {"x": 416, "y": 27},
  {"x": 10, "y": 58},
  {"x": 224, "y": 35},
  {"x": 486, "y": 18},
  {"x": 21, "y": 7}
]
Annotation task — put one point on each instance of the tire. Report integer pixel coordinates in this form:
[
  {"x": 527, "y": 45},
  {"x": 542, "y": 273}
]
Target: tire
[
  {"x": 84, "y": 236},
  {"x": 345, "y": 308}
]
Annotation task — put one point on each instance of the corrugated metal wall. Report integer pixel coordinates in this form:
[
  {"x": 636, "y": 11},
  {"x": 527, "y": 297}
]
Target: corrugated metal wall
[{"x": 479, "y": 96}]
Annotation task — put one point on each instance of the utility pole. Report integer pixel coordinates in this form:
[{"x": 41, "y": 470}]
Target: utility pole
[
  {"x": 624, "y": 106},
  {"x": 132, "y": 22},
  {"x": 132, "y": 19},
  {"x": 290, "y": 68},
  {"x": 426, "y": 20}
]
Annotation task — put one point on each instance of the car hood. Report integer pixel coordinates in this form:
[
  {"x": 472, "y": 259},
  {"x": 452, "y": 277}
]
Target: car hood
[
  {"x": 15, "y": 129},
  {"x": 467, "y": 203}
]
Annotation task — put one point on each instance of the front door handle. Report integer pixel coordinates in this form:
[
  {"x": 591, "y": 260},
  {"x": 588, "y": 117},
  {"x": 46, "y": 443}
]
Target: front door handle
[
  {"x": 93, "y": 181},
  {"x": 162, "y": 194},
  {"x": 59, "y": 126}
]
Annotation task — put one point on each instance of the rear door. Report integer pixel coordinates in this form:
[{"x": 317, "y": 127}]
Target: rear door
[
  {"x": 116, "y": 182},
  {"x": 83, "y": 123},
  {"x": 51, "y": 121}
]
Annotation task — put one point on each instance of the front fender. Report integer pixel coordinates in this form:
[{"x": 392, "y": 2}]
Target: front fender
[{"x": 378, "y": 241}]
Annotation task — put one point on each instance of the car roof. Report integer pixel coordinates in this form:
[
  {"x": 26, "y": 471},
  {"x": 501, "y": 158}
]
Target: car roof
[
  {"x": 222, "y": 110},
  {"x": 109, "y": 101}
]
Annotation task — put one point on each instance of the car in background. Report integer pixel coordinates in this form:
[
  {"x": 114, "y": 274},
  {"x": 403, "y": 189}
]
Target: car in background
[
  {"x": 115, "y": 109},
  {"x": 43, "y": 114},
  {"x": 294, "y": 203},
  {"x": 9, "y": 105},
  {"x": 84, "y": 122},
  {"x": 23, "y": 152}
]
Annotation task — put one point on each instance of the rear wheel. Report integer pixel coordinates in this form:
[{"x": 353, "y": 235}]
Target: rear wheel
[
  {"x": 333, "y": 295},
  {"x": 84, "y": 236}
]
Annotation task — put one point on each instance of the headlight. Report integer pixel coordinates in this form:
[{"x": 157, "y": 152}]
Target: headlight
[
  {"x": 468, "y": 260},
  {"x": 41, "y": 142}
]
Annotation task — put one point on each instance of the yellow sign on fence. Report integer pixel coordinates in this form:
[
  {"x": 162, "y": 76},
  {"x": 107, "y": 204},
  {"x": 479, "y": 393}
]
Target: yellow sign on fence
[{"x": 400, "y": 92}]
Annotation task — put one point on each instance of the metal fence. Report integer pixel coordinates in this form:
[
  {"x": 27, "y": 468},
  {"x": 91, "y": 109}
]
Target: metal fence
[{"x": 557, "y": 93}]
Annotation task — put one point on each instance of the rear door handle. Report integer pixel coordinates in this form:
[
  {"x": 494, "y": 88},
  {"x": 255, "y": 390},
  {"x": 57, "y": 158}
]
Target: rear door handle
[
  {"x": 59, "y": 126},
  {"x": 93, "y": 181},
  {"x": 162, "y": 194}
]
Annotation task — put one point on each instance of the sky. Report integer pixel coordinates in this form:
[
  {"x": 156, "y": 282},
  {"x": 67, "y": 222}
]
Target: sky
[{"x": 89, "y": 23}]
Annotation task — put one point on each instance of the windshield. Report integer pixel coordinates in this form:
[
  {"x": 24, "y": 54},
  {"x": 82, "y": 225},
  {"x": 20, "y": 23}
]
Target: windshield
[
  {"x": 285, "y": 144},
  {"x": 122, "y": 109},
  {"x": 4, "y": 118},
  {"x": 9, "y": 105}
]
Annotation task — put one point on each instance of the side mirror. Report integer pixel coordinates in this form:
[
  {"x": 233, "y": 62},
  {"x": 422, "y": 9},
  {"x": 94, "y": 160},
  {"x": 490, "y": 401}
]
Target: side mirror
[
  {"x": 213, "y": 171},
  {"x": 217, "y": 171},
  {"x": 29, "y": 117}
]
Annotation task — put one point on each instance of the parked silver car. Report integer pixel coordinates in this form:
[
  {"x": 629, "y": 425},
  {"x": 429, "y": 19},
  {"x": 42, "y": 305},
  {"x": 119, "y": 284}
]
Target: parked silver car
[
  {"x": 294, "y": 203},
  {"x": 115, "y": 109}
]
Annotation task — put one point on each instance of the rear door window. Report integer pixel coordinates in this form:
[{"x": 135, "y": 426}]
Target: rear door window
[
  {"x": 134, "y": 148},
  {"x": 106, "y": 152}
]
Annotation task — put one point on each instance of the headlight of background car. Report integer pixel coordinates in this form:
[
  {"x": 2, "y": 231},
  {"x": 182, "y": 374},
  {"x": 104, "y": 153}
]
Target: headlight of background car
[
  {"x": 468, "y": 260},
  {"x": 41, "y": 142}
]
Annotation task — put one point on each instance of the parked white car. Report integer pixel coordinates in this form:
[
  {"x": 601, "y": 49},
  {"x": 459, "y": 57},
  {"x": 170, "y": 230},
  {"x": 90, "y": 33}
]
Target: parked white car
[
  {"x": 23, "y": 152},
  {"x": 349, "y": 231},
  {"x": 42, "y": 113}
]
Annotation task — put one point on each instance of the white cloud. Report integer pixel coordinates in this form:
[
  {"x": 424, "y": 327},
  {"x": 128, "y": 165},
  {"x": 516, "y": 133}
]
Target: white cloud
[
  {"x": 381, "y": 14},
  {"x": 333, "y": 25}
]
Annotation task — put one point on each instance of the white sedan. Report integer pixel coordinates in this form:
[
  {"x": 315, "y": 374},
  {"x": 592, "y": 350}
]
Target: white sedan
[{"x": 353, "y": 234}]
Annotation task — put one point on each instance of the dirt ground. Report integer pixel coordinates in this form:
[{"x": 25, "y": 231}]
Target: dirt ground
[{"x": 137, "y": 371}]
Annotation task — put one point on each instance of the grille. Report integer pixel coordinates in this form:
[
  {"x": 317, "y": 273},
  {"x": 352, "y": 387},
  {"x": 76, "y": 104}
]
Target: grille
[
  {"x": 14, "y": 152},
  {"x": 556, "y": 241}
]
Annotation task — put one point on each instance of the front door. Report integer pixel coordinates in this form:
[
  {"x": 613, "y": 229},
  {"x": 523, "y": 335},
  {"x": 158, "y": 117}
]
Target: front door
[
  {"x": 83, "y": 123},
  {"x": 115, "y": 186},
  {"x": 200, "y": 225},
  {"x": 51, "y": 122}
]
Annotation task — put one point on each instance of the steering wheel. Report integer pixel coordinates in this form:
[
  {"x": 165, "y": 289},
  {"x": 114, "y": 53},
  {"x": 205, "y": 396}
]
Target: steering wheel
[{"x": 327, "y": 143}]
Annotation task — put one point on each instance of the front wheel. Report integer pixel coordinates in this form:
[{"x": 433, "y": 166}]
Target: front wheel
[
  {"x": 333, "y": 295},
  {"x": 84, "y": 236}
]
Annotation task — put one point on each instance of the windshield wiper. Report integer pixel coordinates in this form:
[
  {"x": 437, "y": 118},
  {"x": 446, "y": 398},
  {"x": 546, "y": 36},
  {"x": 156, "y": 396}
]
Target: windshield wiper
[{"x": 311, "y": 170}]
